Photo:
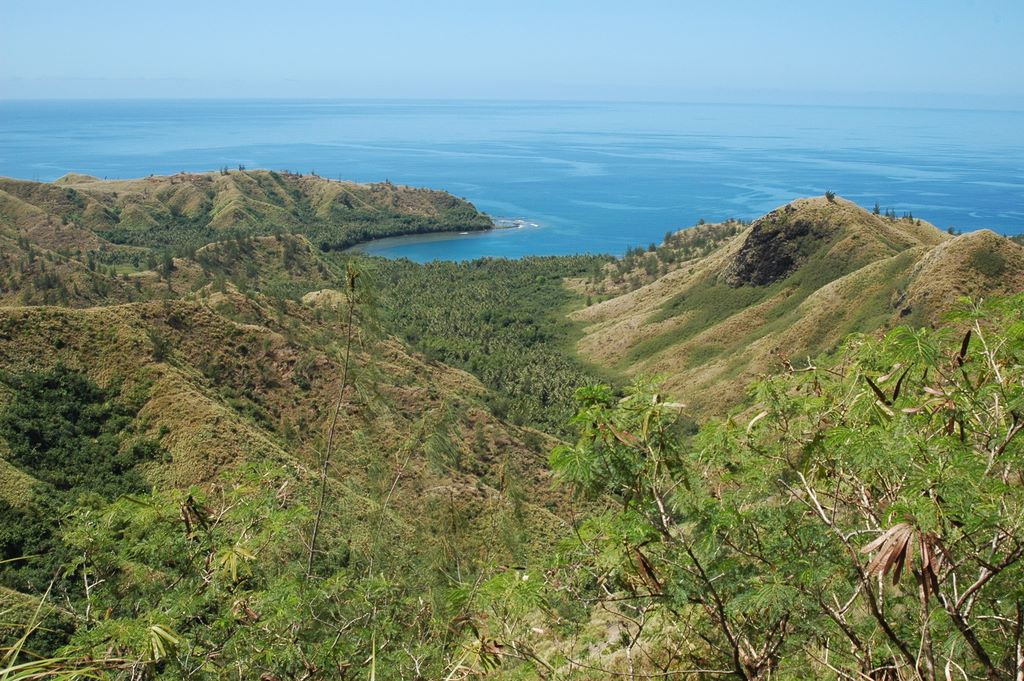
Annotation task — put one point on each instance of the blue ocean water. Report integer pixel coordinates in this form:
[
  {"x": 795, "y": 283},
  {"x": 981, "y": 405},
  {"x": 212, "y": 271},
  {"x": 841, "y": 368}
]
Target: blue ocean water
[{"x": 594, "y": 177}]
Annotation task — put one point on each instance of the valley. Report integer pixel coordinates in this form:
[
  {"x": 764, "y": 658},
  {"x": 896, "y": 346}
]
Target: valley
[{"x": 516, "y": 468}]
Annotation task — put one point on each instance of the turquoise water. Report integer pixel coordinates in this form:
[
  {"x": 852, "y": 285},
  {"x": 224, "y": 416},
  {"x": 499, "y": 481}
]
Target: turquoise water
[{"x": 593, "y": 177}]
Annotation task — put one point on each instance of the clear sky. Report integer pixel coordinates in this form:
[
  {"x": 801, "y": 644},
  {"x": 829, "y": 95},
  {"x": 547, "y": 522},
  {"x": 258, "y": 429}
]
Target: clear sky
[{"x": 952, "y": 52}]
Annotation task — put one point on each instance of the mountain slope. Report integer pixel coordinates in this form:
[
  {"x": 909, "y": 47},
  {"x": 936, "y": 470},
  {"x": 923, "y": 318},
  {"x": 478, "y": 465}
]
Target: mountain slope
[
  {"x": 232, "y": 377},
  {"x": 788, "y": 288},
  {"x": 166, "y": 404},
  {"x": 184, "y": 211},
  {"x": 235, "y": 360}
]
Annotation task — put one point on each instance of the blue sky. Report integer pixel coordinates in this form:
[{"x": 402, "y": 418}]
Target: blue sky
[{"x": 945, "y": 52}]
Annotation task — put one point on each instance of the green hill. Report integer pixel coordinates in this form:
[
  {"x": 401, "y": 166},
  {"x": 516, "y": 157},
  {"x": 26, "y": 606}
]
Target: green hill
[
  {"x": 184, "y": 211},
  {"x": 229, "y": 449},
  {"x": 785, "y": 289},
  {"x": 81, "y": 241},
  {"x": 125, "y": 368}
]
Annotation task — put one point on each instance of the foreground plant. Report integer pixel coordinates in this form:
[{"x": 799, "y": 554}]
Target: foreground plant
[{"x": 865, "y": 521}]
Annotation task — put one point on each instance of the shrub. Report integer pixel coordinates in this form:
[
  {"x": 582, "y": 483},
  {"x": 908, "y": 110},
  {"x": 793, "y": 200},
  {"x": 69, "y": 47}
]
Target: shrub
[
  {"x": 870, "y": 514},
  {"x": 990, "y": 263},
  {"x": 66, "y": 431}
]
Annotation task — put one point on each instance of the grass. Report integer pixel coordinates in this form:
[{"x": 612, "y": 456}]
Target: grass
[
  {"x": 703, "y": 306},
  {"x": 183, "y": 212},
  {"x": 855, "y": 273},
  {"x": 990, "y": 263},
  {"x": 15, "y": 485}
]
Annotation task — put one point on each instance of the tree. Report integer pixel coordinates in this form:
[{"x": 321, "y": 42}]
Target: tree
[
  {"x": 166, "y": 265},
  {"x": 186, "y": 582},
  {"x": 866, "y": 521}
]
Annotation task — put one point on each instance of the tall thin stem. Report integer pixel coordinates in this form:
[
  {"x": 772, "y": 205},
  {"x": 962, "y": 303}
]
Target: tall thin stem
[{"x": 350, "y": 289}]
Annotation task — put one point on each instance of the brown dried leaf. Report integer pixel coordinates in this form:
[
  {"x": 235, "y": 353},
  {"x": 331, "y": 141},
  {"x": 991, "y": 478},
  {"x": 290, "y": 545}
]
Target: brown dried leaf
[
  {"x": 882, "y": 538},
  {"x": 963, "y": 348},
  {"x": 878, "y": 391},
  {"x": 892, "y": 550},
  {"x": 896, "y": 367},
  {"x": 625, "y": 438},
  {"x": 898, "y": 558},
  {"x": 899, "y": 385}
]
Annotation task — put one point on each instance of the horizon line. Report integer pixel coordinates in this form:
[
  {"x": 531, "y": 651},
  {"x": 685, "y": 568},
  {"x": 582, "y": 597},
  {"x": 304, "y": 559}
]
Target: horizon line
[{"x": 729, "y": 101}]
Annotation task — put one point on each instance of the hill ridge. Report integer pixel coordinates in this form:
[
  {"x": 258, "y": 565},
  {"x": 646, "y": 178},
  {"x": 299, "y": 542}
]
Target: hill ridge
[
  {"x": 790, "y": 285},
  {"x": 186, "y": 210}
]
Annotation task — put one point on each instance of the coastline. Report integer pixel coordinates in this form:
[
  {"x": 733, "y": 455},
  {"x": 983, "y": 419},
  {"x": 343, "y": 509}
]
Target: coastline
[{"x": 501, "y": 226}]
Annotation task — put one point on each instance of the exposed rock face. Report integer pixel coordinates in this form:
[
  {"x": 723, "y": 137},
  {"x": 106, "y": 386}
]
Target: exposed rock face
[{"x": 776, "y": 246}]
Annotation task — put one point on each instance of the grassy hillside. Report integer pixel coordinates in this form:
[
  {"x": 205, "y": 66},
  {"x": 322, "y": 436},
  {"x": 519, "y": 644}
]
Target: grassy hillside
[
  {"x": 237, "y": 357},
  {"x": 81, "y": 241},
  {"x": 245, "y": 337},
  {"x": 182, "y": 212},
  {"x": 640, "y": 266},
  {"x": 229, "y": 450},
  {"x": 785, "y": 289}
]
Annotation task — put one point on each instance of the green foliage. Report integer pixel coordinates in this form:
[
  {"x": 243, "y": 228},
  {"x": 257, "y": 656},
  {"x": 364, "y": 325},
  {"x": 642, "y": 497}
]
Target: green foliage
[
  {"x": 68, "y": 432},
  {"x": 166, "y": 265},
  {"x": 213, "y": 583},
  {"x": 757, "y": 537},
  {"x": 502, "y": 320},
  {"x": 221, "y": 586},
  {"x": 162, "y": 346},
  {"x": 407, "y": 516},
  {"x": 29, "y": 548},
  {"x": 991, "y": 263},
  {"x": 75, "y": 438}
]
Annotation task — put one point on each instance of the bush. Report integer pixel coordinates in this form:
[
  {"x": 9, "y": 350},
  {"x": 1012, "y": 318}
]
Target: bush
[
  {"x": 66, "y": 431},
  {"x": 989, "y": 263},
  {"x": 899, "y": 463}
]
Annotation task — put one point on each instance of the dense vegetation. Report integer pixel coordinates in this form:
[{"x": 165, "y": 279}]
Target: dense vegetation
[
  {"x": 640, "y": 266},
  {"x": 77, "y": 439},
  {"x": 868, "y": 522},
  {"x": 186, "y": 583},
  {"x": 425, "y": 491},
  {"x": 246, "y": 476},
  {"x": 69, "y": 433},
  {"x": 503, "y": 320}
]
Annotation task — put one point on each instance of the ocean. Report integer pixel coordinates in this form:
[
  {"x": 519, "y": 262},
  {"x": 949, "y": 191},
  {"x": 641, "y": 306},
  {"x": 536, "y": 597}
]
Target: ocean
[{"x": 595, "y": 177}]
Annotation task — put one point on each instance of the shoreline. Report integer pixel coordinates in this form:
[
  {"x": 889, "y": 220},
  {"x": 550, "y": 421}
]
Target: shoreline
[{"x": 506, "y": 225}]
